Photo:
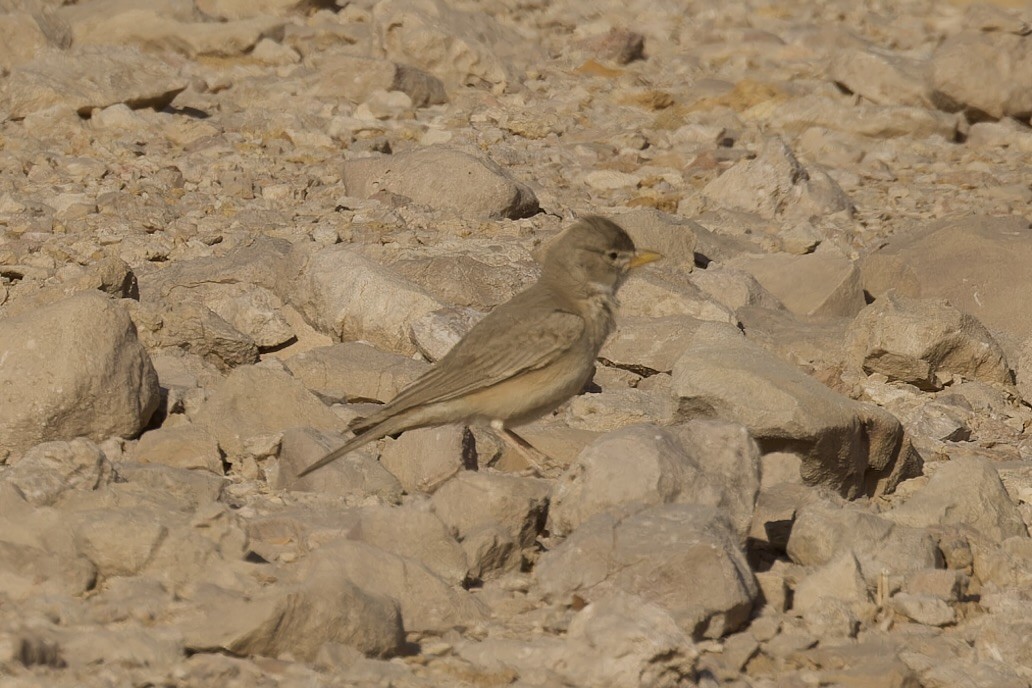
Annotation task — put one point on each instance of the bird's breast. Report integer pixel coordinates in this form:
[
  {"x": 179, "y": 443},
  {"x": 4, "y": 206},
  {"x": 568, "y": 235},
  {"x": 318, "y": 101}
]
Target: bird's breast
[{"x": 599, "y": 313}]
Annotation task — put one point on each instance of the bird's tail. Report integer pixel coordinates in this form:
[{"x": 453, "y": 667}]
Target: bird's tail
[{"x": 366, "y": 434}]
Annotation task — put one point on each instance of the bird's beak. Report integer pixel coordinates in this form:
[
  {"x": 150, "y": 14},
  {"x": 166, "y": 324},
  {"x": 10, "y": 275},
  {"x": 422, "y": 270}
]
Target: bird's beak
[{"x": 644, "y": 257}]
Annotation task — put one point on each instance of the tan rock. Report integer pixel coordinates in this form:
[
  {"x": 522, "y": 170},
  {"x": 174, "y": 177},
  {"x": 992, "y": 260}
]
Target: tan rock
[
  {"x": 657, "y": 294},
  {"x": 723, "y": 375},
  {"x": 876, "y": 121},
  {"x": 428, "y": 604},
  {"x": 776, "y": 184},
  {"x": 822, "y": 284},
  {"x": 72, "y": 79},
  {"x": 195, "y": 328},
  {"x": 30, "y": 571},
  {"x": 106, "y": 388},
  {"x": 463, "y": 48},
  {"x": 821, "y": 532},
  {"x": 425, "y": 458},
  {"x": 356, "y": 476},
  {"x": 924, "y": 609},
  {"x": 234, "y": 9},
  {"x": 669, "y": 466},
  {"x": 519, "y": 504},
  {"x": 681, "y": 557},
  {"x": 156, "y": 29},
  {"x": 20, "y": 39},
  {"x": 353, "y": 371},
  {"x": 357, "y": 78},
  {"x": 131, "y": 645},
  {"x": 443, "y": 178},
  {"x": 882, "y": 76},
  {"x": 328, "y": 291},
  {"x": 256, "y": 401},
  {"x": 189, "y": 488},
  {"x": 50, "y": 469},
  {"x": 975, "y": 262},
  {"x": 119, "y": 542},
  {"x": 413, "y": 531},
  {"x": 318, "y": 606},
  {"x": 839, "y": 579},
  {"x": 924, "y": 342},
  {"x": 984, "y": 72},
  {"x": 601, "y": 633},
  {"x": 620, "y": 407},
  {"x": 184, "y": 446},
  {"x": 983, "y": 504},
  {"x": 653, "y": 344}
]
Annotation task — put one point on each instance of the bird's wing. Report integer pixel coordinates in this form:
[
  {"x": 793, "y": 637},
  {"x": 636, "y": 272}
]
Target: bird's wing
[{"x": 496, "y": 349}]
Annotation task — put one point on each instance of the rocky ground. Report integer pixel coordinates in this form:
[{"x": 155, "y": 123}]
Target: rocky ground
[{"x": 227, "y": 228}]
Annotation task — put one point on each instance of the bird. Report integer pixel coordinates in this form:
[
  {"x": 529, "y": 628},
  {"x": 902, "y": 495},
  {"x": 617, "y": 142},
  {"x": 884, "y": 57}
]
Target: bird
[{"x": 528, "y": 355}]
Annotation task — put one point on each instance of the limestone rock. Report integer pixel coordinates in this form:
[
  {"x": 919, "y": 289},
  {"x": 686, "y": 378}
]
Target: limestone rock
[
  {"x": 20, "y": 39},
  {"x": 119, "y": 542},
  {"x": 723, "y": 375},
  {"x": 822, "y": 532},
  {"x": 618, "y": 408},
  {"x": 460, "y": 47},
  {"x": 983, "y": 504},
  {"x": 735, "y": 288},
  {"x": 345, "y": 293},
  {"x": 443, "y": 178},
  {"x": 599, "y": 635},
  {"x": 425, "y": 458},
  {"x": 30, "y": 571},
  {"x": 653, "y": 344},
  {"x": 987, "y": 72},
  {"x": 50, "y": 469},
  {"x": 658, "y": 231},
  {"x": 88, "y": 79},
  {"x": 357, "y": 78},
  {"x": 428, "y": 604},
  {"x": 234, "y": 9},
  {"x": 864, "y": 119},
  {"x": 356, "y": 476},
  {"x": 500, "y": 509},
  {"x": 681, "y": 557},
  {"x": 416, "y": 533},
  {"x": 923, "y": 342},
  {"x": 256, "y": 401},
  {"x": 820, "y": 284},
  {"x": 776, "y": 184},
  {"x": 644, "y": 465},
  {"x": 320, "y": 606},
  {"x": 840, "y": 579},
  {"x": 882, "y": 76},
  {"x": 195, "y": 328},
  {"x": 188, "y": 488},
  {"x": 924, "y": 609},
  {"x": 131, "y": 645},
  {"x": 352, "y": 371},
  {"x": 656, "y": 295},
  {"x": 155, "y": 29},
  {"x": 184, "y": 446},
  {"x": 53, "y": 387},
  {"x": 975, "y": 262}
]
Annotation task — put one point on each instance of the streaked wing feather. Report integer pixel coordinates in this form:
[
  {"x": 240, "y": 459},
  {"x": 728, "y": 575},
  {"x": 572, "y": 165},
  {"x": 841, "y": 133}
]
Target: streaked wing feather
[{"x": 485, "y": 357}]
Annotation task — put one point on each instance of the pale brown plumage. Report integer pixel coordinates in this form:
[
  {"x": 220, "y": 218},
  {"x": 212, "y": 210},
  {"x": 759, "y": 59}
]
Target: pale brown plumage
[{"x": 528, "y": 355}]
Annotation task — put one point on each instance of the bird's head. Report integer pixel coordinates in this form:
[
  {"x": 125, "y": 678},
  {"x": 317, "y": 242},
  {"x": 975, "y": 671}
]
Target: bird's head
[{"x": 596, "y": 254}]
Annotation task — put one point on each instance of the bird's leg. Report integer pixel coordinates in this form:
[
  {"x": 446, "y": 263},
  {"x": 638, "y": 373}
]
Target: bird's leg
[{"x": 536, "y": 458}]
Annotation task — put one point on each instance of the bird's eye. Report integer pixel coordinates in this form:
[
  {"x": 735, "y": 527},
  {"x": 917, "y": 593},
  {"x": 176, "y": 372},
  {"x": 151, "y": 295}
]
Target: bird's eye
[{"x": 612, "y": 255}]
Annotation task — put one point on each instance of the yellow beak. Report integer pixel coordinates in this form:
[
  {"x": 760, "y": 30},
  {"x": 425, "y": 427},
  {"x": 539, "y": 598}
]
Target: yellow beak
[{"x": 644, "y": 257}]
